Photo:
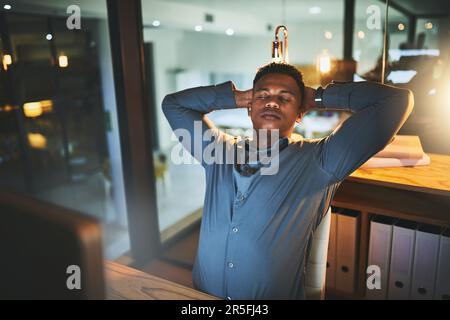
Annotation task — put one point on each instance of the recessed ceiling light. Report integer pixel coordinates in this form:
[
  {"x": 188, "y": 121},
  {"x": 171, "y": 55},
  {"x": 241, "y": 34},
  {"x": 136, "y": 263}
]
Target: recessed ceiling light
[
  {"x": 328, "y": 35},
  {"x": 49, "y": 36},
  {"x": 428, "y": 26},
  {"x": 7, "y": 7},
  {"x": 198, "y": 28},
  {"x": 229, "y": 32},
  {"x": 401, "y": 26},
  {"x": 315, "y": 10},
  {"x": 361, "y": 34},
  {"x": 156, "y": 23}
]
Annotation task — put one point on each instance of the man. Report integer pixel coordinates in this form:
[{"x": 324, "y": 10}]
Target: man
[{"x": 256, "y": 229}]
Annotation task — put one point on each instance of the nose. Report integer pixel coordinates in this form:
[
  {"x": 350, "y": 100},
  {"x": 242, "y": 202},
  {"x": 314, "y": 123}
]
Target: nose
[{"x": 272, "y": 104}]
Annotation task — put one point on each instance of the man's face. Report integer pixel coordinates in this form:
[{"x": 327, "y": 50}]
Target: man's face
[{"x": 276, "y": 103}]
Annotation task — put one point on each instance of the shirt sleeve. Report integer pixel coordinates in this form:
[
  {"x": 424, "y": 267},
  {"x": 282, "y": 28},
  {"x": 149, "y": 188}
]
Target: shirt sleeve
[
  {"x": 186, "y": 113},
  {"x": 378, "y": 112}
]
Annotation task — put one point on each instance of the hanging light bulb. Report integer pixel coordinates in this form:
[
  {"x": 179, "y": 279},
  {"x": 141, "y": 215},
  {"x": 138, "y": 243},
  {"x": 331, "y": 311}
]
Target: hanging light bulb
[
  {"x": 280, "y": 54},
  {"x": 324, "y": 62}
]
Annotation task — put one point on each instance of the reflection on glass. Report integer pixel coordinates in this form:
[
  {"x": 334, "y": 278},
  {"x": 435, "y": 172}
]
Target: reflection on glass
[
  {"x": 56, "y": 86},
  {"x": 63, "y": 61},
  {"x": 35, "y": 109},
  {"x": 37, "y": 141},
  {"x": 7, "y": 60},
  {"x": 418, "y": 59}
]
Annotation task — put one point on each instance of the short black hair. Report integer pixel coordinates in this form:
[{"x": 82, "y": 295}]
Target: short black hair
[{"x": 283, "y": 68}]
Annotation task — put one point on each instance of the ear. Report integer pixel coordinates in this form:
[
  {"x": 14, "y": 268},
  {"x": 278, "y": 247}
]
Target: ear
[{"x": 300, "y": 116}]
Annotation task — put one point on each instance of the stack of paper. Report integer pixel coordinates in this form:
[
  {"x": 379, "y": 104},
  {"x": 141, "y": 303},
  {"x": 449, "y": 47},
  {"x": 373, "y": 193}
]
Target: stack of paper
[{"x": 402, "y": 151}]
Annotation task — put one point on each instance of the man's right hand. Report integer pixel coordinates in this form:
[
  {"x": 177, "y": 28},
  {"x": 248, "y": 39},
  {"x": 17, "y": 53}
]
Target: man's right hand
[{"x": 243, "y": 98}]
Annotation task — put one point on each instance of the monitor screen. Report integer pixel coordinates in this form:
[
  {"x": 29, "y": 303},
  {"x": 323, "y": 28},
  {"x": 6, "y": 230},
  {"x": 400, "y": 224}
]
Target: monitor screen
[{"x": 48, "y": 252}]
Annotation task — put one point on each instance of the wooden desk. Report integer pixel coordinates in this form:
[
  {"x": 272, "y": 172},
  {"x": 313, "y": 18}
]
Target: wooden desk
[
  {"x": 124, "y": 283},
  {"x": 434, "y": 178},
  {"x": 420, "y": 194}
]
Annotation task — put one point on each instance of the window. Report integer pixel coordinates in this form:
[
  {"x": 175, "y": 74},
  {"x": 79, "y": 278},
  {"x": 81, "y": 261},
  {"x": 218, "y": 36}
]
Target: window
[{"x": 59, "y": 137}]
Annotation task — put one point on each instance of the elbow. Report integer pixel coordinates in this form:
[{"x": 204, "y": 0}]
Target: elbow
[
  {"x": 409, "y": 101},
  {"x": 404, "y": 100},
  {"x": 405, "y": 105},
  {"x": 167, "y": 103}
]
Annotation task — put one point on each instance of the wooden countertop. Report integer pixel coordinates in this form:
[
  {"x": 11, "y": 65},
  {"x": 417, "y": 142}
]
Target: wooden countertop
[
  {"x": 433, "y": 178},
  {"x": 125, "y": 283}
]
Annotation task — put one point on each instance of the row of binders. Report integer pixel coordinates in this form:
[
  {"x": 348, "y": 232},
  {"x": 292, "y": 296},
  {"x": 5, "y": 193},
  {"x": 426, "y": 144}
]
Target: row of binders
[
  {"x": 413, "y": 259},
  {"x": 343, "y": 246}
]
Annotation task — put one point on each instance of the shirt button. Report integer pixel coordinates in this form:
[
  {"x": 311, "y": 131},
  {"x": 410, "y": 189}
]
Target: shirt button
[
  {"x": 235, "y": 229},
  {"x": 230, "y": 265},
  {"x": 239, "y": 196}
]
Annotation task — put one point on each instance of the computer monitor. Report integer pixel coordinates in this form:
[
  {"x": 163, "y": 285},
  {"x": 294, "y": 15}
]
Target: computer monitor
[{"x": 39, "y": 242}]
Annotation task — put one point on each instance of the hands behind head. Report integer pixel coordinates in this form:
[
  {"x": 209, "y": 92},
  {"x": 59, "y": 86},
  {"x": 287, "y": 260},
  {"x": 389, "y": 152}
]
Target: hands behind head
[
  {"x": 243, "y": 98},
  {"x": 308, "y": 100}
]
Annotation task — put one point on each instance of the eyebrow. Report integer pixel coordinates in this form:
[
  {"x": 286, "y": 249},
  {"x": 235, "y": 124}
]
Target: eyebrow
[{"x": 281, "y": 91}]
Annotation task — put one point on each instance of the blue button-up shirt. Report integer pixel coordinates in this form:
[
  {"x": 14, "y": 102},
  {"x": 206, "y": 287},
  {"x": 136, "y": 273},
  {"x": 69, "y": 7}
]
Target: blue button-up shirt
[{"x": 256, "y": 229}]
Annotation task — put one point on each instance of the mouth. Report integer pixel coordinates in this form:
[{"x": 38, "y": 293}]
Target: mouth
[{"x": 271, "y": 115}]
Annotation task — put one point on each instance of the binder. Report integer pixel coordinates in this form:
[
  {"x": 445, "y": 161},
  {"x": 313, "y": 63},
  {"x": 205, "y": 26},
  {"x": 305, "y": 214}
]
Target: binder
[
  {"x": 330, "y": 281},
  {"x": 376, "y": 162},
  {"x": 426, "y": 254},
  {"x": 402, "y": 147},
  {"x": 379, "y": 254},
  {"x": 442, "y": 289},
  {"x": 400, "y": 270},
  {"x": 346, "y": 250}
]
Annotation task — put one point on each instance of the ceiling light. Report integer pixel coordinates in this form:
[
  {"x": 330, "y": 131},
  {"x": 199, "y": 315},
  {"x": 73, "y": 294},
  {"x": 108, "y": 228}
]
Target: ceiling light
[
  {"x": 324, "y": 62},
  {"x": 315, "y": 10},
  {"x": 229, "y": 32}
]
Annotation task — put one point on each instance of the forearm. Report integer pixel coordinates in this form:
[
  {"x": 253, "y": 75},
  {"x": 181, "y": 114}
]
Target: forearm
[
  {"x": 378, "y": 112},
  {"x": 356, "y": 96},
  {"x": 201, "y": 100},
  {"x": 185, "y": 111}
]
